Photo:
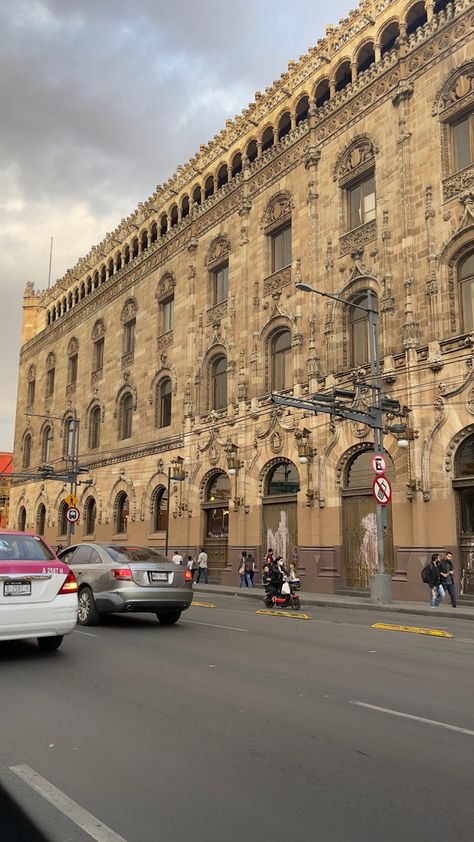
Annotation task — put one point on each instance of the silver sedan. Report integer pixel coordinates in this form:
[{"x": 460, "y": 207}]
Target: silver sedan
[{"x": 126, "y": 579}]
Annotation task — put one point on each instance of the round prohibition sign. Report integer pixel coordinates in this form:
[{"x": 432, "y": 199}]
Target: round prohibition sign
[
  {"x": 73, "y": 515},
  {"x": 382, "y": 490},
  {"x": 379, "y": 465}
]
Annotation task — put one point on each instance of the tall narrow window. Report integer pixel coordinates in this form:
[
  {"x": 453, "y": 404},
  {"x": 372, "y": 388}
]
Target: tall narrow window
[
  {"x": 94, "y": 427},
  {"x": 98, "y": 361},
  {"x": 164, "y": 403},
  {"x": 41, "y": 519},
  {"x": 72, "y": 369},
  {"x": 22, "y": 519},
  {"x": 47, "y": 445},
  {"x": 160, "y": 508},
  {"x": 27, "y": 451},
  {"x": 122, "y": 512},
  {"x": 167, "y": 307},
  {"x": 219, "y": 383},
  {"x": 129, "y": 336},
  {"x": 281, "y": 248},
  {"x": 359, "y": 331},
  {"x": 126, "y": 413},
  {"x": 62, "y": 520},
  {"x": 70, "y": 430},
  {"x": 90, "y": 516},
  {"x": 221, "y": 283},
  {"x": 50, "y": 376},
  {"x": 282, "y": 369},
  {"x": 463, "y": 142},
  {"x": 361, "y": 201},
  {"x": 466, "y": 281},
  {"x": 30, "y": 393}
]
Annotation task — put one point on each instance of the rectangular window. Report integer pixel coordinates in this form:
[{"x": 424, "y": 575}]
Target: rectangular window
[
  {"x": 98, "y": 354},
  {"x": 463, "y": 142},
  {"x": 30, "y": 396},
  {"x": 221, "y": 283},
  {"x": 50, "y": 382},
  {"x": 72, "y": 373},
  {"x": 281, "y": 249},
  {"x": 361, "y": 202},
  {"x": 129, "y": 337},
  {"x": 167, "y": 308}
]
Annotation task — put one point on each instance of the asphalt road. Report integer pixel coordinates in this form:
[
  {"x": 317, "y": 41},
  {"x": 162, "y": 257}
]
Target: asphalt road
[{"x": 234, "y": 726}]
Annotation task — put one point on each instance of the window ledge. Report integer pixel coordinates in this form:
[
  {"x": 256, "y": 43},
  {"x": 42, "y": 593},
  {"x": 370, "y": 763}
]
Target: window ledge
[
  {"x": 458, "y": 182},
  {"x": 127, "y": 359},
  {"x": 277, "y": 280},
  {"x": 358, "y": 237},
  {"x": 164, "y": 340}
]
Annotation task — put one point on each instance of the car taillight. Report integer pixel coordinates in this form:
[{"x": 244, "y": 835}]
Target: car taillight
[
  {"x": 188, "y": 576},
  {"x": 69, "y": 585},
  {"x": 122, "y": 573}
]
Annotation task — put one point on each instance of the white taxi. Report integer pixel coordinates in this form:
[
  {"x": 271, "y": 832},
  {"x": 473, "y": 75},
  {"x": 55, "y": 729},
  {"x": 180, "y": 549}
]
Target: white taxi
[{"x": 38, "y": 593}]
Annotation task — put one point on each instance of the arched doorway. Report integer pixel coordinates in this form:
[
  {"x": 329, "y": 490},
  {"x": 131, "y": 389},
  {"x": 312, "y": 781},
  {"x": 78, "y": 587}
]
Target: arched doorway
[
  {"x": 280, "y": 518},
  {"x": 359, "y": 525},
  {"x": 464, "y": 486},
  {"x": 216, "y": 515}
]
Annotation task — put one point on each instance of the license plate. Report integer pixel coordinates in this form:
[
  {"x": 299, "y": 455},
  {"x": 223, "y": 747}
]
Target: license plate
[
  {"x": 159, "y": 577},
  {"x": 17, "y": 589}
]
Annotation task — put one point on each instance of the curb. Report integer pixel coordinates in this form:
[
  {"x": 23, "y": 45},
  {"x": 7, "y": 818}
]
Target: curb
[{"x": 327, "y": 602}]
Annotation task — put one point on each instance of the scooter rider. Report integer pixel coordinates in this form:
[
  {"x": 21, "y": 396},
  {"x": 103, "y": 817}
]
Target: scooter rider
[{"x": 272, "y": 579}]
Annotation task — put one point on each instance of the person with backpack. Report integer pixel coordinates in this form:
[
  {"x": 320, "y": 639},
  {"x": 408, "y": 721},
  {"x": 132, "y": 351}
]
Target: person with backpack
[
  {"x": 245, "y": 569},
  {"x": 430, "y": 576},
  {"x": 446, "y": 569}
]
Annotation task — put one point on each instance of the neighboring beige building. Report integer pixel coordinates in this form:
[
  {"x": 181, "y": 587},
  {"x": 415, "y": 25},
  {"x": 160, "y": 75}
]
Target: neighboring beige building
[{"x": 354, "y": 170}]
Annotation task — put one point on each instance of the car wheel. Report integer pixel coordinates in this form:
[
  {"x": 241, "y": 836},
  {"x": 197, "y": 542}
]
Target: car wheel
[
  {"x": 169, "y": 619},
  {"x": 87, "y": 614},
  {"x": 49, "y": 644}
]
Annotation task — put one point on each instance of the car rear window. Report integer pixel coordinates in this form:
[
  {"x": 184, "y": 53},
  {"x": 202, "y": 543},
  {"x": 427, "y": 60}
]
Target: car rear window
[
  {"x": 24, "y": 548},
  {"x": 136, "y": 554}
]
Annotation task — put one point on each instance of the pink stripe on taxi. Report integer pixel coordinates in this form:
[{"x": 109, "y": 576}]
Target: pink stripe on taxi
[{"x": 19, "y": 568}]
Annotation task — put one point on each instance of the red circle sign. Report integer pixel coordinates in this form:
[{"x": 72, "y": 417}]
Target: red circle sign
[
  {"x": 382, "y": 490},
  {"x": 379, "y": 465},
  {"x": 72, "y": 514}
]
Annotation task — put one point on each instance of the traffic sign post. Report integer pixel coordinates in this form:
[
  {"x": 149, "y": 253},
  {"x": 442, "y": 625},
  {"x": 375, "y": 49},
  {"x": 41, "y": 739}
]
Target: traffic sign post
[
  {"x": 71, "y": 500},
  {"x": 382, "y": 490},
  {"x": 72, "y": 514},
  {"x": 379, "y": 465}
]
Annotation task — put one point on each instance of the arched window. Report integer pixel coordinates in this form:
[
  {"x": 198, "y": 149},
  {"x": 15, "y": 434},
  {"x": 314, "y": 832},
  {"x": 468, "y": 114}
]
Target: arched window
[
  {"x": 416, "y": 17},
  {"x": 197, "y": 195},
  {"x": 111, "y": 267},
  {"x": 219, "y": 383},
  {"x": 126, "y": 259},
  {"x": 70, "y": 427},
  {"x": 69, "y": 300},
  {"x": 83, "y": 290},
  {"x": 62, "y": 520},
  {"x": 282, "y": 479},
  {"x": 103, "y": 275},
  {"x": 88, "y": 287},
  {"x": 281, "y": 361},
  {"x": 466, "y": 285},
  {"x": 96, "y": 280},
  {"x": 122, "y": 511},
  {"x": 21, "y": 519},
  {"x": 163, "y": 403},
  {"x": 322, "y": 94},
  {"x": 94, "y": 427},
  {"x": 366, "y": 57},
  {"x": 343, "y": 76},
  {"x": 302, "y": 110},
  {"x": 118, "y": 261},
  {"x": 217, "y": 506},
  {"x": 47, "y": 445},
  {"x": 160, "y": 508},
  {"x": 163, "y": 225},
  {"x": 284, "y": 125},
  {"x": 268, "y": 139},
  {"x": 209, "y": 187},
  {"x": 359, "y": 330},
  {"x": 236, "y": 164},
  {"x": 41, "y": 519},
  {"x": 174, "y": 216},
  {"x": 125, "y": 416},
  {"x": 144, "y": 240},
  {"x": 76, "y": 295},
  {"x": 222, "y": 176},
  {"x": 389, "y": 38},
  {"x": 135, "y": 248},
  {"x": 27, "y": 451},
  {"x": 252, "y": 151},
  {"x": 154, "y": 232},
  {"x": 185, "y": 207},
  {"x": 90, "y": 514}
]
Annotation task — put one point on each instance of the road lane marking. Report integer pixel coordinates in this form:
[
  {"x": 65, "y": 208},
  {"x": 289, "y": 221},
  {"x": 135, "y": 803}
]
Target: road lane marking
[
  {"x": 202, "y": 604},
  {"x": 416, "y": 718},
  {"x": 412, "y": 630},
  {"x": 88, "y": 634},
  {"x": 267, "y": 612},
  {"x": 69, "y": 808},
  {"x": 210, "y": 625}
]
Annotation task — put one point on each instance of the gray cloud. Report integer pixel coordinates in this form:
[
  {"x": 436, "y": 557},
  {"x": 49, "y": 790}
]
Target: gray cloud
[{"x": 100, "y": 101}]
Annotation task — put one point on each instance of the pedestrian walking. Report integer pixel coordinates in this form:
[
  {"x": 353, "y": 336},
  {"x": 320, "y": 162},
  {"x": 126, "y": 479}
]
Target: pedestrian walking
[
  {"x": 195, "y": 568},
  {"x": 269, "y": 556},
  {"x": 177, "y": 558},
  {"x": 430, "y": 575},
  {"x": 446, "y": 572},
  {"x": 254, "y": 567},
  {"x": 190, "y": 561},
  {"x": 245, "y": 569},
  {"x": 202, "y": 567}
]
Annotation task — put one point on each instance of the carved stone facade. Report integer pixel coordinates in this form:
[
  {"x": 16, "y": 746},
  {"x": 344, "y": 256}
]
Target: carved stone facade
[{"x": 197, "y": 386}]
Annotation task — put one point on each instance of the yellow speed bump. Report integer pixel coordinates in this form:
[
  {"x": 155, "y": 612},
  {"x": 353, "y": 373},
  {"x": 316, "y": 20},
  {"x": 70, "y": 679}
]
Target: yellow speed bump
[
  {"x": 203, "y": 604},
  {"x": 292, "y": 616},
  {"x": 412, "y": 630}
]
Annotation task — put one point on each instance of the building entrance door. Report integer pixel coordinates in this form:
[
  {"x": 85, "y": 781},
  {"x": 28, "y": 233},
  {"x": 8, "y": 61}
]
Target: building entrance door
[
  {"x": 359, "y": 524},
  {"x": 280, "y": 512},
  {"x": 464, "y": 485},
  {"x": 216, "y": 514}
]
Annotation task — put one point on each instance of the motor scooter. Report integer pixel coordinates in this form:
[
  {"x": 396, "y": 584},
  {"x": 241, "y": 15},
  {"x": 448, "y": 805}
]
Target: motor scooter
[{"x": 286, "y": 598}]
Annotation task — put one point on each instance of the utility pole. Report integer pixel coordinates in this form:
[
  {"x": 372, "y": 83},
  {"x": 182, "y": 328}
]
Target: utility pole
[{"x": 334, "y": 404}]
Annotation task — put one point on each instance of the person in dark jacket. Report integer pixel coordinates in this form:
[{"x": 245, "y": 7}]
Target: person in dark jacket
[
  {"x": 433, "y": 581},
  {"x": 447, "y": 577}
]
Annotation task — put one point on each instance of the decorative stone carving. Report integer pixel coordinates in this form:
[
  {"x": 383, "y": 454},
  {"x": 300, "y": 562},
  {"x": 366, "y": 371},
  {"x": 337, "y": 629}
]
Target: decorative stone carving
[
  {"x": 165, "y": 340},
  {"x": 277, "y": 281},
  {"x": 127, "y": 360},
  {"x": 218, "y": 312},
  {"x": 218, "y": 251},
  {"x": 98, "y": 330},
  {"x": 166, "y": 286},
  {"x": 277, "y": 211},
  {"x": 358, "y": 238},
  {"x": 455, "y": 184},
  {"x": 129, "y": 310},
  {"x": 355, "y": 160}
]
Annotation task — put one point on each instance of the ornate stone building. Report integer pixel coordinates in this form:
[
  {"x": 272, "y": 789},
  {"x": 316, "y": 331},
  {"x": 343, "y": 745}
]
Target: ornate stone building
[{"x": 353, "y": 171}]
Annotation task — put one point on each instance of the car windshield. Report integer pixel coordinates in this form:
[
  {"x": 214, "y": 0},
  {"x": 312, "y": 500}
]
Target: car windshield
[
  {"x": 136, "y": 554},
  {"x": 24, "y": 548}
]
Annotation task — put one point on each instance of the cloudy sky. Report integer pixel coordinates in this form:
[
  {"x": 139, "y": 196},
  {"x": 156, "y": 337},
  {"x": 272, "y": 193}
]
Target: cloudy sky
[{"x": 99, "y": 103}]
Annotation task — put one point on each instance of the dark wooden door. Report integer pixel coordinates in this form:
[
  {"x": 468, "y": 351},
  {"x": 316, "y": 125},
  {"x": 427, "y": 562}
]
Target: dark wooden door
[
  {"x": 360, "y": 540},
  {"x": 280, "y": 530}
]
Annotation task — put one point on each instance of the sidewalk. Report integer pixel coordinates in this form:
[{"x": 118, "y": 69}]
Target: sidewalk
[{"x": 337, "y": 601}]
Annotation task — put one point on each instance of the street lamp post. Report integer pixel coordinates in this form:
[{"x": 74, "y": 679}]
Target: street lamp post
[
  {"x": 175, "y": 473},
  {"x": 381, "y": 583}
]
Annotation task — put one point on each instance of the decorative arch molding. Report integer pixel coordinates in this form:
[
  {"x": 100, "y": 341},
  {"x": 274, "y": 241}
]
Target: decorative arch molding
[
  {"x": 457, "y": 247},
  {"x": 129, "y": 310},
  {"x": 267, "y": 467},
  {"x": 92, "y": 405},
  {"x": 31, "y": 372},
  {"x": 166, "y": 286},
  {"x": 153, "y": 487},
  {"x": 217, "y": 349},
  {"x": 344, "y": 461},
  {"x": 389, "y": 22},
  {"x": 440, "y": 419},
  {"x": 358, "y": 157},
  {"x": 456, "y": 91},
  {"x": 165, "y": 372},
  {"x": 42, "y": 498},
  {"x": 126, "y": 388},
  {"x": 51, "y": 360},
  {"x": 92, "y": 491},
  {"x": 278, "y": 211},
  {"x": 213, "y": 472},
  {"x": 60, "y": 498},
  {"x": 73, "y": 346},
  {"x": 454, "y": 444},
  {"x": 123, "y": 484},
  {"x": 218, "y": 250},
  {"x": 98, "y": 331},
  {"x": 21, "y": 503}
]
